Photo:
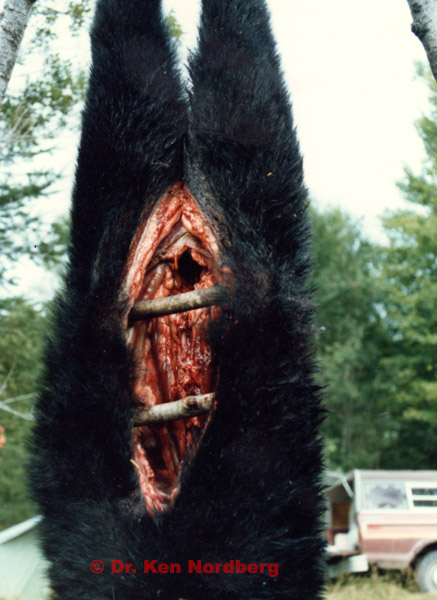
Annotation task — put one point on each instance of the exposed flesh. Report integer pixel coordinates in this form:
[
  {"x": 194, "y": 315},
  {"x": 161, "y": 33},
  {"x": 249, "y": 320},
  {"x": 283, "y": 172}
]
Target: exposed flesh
[{"x": 174, "y": 251}]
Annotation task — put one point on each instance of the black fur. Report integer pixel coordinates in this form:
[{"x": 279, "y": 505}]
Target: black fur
[{"x": 252, "y": 491}]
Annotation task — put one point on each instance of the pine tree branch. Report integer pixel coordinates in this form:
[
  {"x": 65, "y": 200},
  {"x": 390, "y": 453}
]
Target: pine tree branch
[
  {"x": 13, "y": 22},
  {"x": 424, "y": 13}
]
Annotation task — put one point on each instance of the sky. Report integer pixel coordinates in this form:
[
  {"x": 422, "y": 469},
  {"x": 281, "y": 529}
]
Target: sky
[{"x": 349, "y": 66}]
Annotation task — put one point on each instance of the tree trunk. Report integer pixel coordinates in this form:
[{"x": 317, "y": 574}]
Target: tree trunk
[
  {"x": 424, "y": 25},
  {"x": 13, "y": 22}
]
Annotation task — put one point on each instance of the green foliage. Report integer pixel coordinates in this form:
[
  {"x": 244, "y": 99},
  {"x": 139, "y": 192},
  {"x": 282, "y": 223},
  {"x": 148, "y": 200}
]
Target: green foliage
[
  {"x": 52, "y": 250},
  {"x": 22, "y": 330},
  {"x": 174, "y": 28},
  {"x": 40, "y": 103},
  {"x": 32, "y": 117},
  {"x": 350, "y": 342},
  {"x": 77, "y": 13},
  {"x": 410, "y": 280},
  {"x": 378, "y": 350}
]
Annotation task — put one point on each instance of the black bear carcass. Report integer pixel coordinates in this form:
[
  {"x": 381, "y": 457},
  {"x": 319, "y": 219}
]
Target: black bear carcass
[{"x": 177, "y": 193}]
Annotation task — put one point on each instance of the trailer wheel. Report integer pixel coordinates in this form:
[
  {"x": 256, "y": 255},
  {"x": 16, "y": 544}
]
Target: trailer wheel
[{"x": 426, "y": 572}]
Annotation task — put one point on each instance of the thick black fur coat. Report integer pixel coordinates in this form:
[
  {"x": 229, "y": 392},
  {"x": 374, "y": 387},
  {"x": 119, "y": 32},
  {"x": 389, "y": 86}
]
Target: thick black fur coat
[{"x": 252, "y": 491}]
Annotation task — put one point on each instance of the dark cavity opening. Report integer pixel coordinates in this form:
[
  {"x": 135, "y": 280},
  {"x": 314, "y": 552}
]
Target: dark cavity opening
[{"x": 189, "y": 269}]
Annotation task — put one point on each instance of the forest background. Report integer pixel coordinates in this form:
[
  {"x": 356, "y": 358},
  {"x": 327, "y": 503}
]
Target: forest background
[{"x": 375, "y": 334}]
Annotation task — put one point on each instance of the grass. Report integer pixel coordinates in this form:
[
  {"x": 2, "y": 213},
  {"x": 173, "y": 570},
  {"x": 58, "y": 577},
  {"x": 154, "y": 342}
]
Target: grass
[{"x": 375, "y": 586}]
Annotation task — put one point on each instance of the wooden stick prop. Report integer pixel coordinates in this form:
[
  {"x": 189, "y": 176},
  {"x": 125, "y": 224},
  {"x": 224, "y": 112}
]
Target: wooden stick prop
[
  {"x": 191, "y": 406},
  {"x": 176, "y": 304}
]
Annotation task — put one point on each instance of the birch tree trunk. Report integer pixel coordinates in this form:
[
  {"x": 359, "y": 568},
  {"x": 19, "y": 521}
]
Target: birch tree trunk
[
  {"x": 424, "y": 14},
  {"x": 13, "y": 21}
]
